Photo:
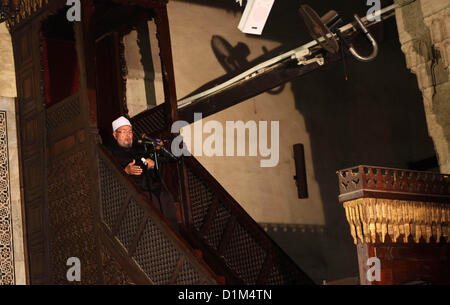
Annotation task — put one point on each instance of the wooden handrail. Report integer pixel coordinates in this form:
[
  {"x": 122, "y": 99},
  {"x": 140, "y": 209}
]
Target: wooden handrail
[
  {"x": 240, "y": 227},
  {"x": 140, "y": 232}
]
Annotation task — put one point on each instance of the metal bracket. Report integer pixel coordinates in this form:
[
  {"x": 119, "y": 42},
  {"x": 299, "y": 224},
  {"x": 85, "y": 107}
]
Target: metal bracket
[
  {"x": 301, "y": 58},
  {"x": 372, "y": 40},
  {"x": 318, "y": 59}
]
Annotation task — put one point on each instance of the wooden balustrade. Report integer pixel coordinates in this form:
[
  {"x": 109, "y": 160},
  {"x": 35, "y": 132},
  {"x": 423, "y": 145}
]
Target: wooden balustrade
[
  {"x": 232, "y": 243},
  {"x": 228, "y": 234},
  {"x": 144, "y": 242},
  {"x": 152, "y": 121}
]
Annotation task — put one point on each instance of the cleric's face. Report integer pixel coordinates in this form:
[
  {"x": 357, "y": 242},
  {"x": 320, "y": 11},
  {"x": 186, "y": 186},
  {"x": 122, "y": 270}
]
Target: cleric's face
[{"x": 124, "y": 136}]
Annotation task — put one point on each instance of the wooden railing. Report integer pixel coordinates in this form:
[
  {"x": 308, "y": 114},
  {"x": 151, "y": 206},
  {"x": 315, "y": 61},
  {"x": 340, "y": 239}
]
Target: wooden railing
[
  {"x": 139, "y": 234},
  {"x": 230, "y": 236},
  {"x": 152, "y": 121},
  {"x": 232, "y": 243},
  {"x": 375, "y": 181},
  {"x": 64, "y": 117}
]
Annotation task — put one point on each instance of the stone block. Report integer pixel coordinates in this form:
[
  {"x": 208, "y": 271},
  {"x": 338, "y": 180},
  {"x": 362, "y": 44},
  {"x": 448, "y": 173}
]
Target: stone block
[
  {"x": 439, "y": 26},
  {"x": 417, "y": 52},
  {"x": 423, "y": 73},
  {"x": 444, "y": 50},
  {"x": 410, "y": 23},
  {"x": 7, "y": 75},
  {"x": 430, "y": 7}
]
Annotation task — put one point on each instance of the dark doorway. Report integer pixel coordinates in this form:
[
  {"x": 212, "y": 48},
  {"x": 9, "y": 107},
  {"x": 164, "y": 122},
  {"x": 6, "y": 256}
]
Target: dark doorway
[{"x": 61, "y": 71}]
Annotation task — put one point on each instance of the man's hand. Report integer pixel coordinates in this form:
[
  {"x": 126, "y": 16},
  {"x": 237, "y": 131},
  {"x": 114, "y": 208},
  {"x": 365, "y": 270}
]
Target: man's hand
[
  {"x": 132, "y": 169},
  {"x": 150, "y": 163}
]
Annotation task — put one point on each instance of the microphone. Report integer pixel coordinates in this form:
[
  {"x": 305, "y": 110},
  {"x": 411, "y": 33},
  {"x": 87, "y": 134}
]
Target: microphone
[
  {"x": 154, "y": 142},
  {"x": 157, "y": 143},
  {"x": 147, "y": 140}
]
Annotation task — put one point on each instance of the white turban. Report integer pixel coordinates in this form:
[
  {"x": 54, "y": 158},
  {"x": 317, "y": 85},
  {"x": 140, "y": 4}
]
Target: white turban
[{"x": 122, "y": 121}]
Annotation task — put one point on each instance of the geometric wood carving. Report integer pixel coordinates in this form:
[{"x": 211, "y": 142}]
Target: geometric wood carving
[{"x": 71, "y": 219}]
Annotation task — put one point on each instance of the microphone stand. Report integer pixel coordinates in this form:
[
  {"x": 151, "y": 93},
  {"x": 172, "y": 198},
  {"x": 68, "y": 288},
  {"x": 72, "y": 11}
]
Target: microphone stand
[
  {"x": 161, "y": 179},
  {"x": 164, "y": 187},
  {"x": 148, "y": 177}
]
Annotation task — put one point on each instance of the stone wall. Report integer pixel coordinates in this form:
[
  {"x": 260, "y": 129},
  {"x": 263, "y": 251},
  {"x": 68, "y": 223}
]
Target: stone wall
[
  {"x": 7, "y": 73},
  {"x": 424, "y": 32},
  {"x": 12, "y": 258}
]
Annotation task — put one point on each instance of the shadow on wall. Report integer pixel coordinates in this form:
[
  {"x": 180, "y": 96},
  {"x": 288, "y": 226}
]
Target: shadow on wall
[
  {"x": 233, "y": 59},
  {"x": 374, "y": 118}
]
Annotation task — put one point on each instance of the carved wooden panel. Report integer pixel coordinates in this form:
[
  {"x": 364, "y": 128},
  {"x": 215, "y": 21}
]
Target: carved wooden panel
[
  {"x": 26, "y": 93},
  {"x": 113, "y": 272},
  {"x": 71, "y": 219},
  {"x": 37, "y": 260},
  {"x": 32, "y": 136},
  {"x": 22, "y": 43},
  {"x": 33, "y": 172},
  {"x": 64, "y": 118},
  {"x": 32, "y": 154},
  {"x": 34, "y": 217},
  {"x": 26, "y": 84}
]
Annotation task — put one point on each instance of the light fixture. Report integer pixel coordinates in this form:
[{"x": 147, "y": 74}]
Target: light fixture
[
  {"x": 8, "y": 9},
  {"x": 255, "y": 16}
]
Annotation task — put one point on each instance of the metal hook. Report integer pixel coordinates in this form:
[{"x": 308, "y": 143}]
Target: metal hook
[{"x": 372, "y": 40}]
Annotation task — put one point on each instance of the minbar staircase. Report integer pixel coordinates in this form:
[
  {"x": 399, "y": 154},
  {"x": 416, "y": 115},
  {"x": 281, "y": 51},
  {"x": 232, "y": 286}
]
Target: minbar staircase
[
  {"x": 217, "y": 242},
  {"x": 146, "y": 242}
]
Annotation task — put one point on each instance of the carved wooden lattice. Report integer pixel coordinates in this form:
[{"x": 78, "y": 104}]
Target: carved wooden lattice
[
  {"x": 150, "y": 121},
  {"x": 71, "y": 219},
  {"x": 64, "y": 112},
  {"x": 6, "y": 250},
  {"x": 142, "y": 233},
  {"x": 233, "y": 235},
  {"x": 113, "y": 273}
]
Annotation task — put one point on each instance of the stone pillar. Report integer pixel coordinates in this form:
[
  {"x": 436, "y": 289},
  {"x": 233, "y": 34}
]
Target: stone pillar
[
  {"x": 12, "y": 256},
  {"x": 144, "y": 86},
  {"x": 424, "y": 32}
]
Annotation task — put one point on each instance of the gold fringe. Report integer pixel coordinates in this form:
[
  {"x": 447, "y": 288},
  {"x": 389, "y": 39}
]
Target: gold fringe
[{"x": 370, "y": 218}]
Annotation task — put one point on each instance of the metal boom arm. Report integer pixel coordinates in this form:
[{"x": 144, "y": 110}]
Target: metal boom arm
[{"x": 273, "y": 72}]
